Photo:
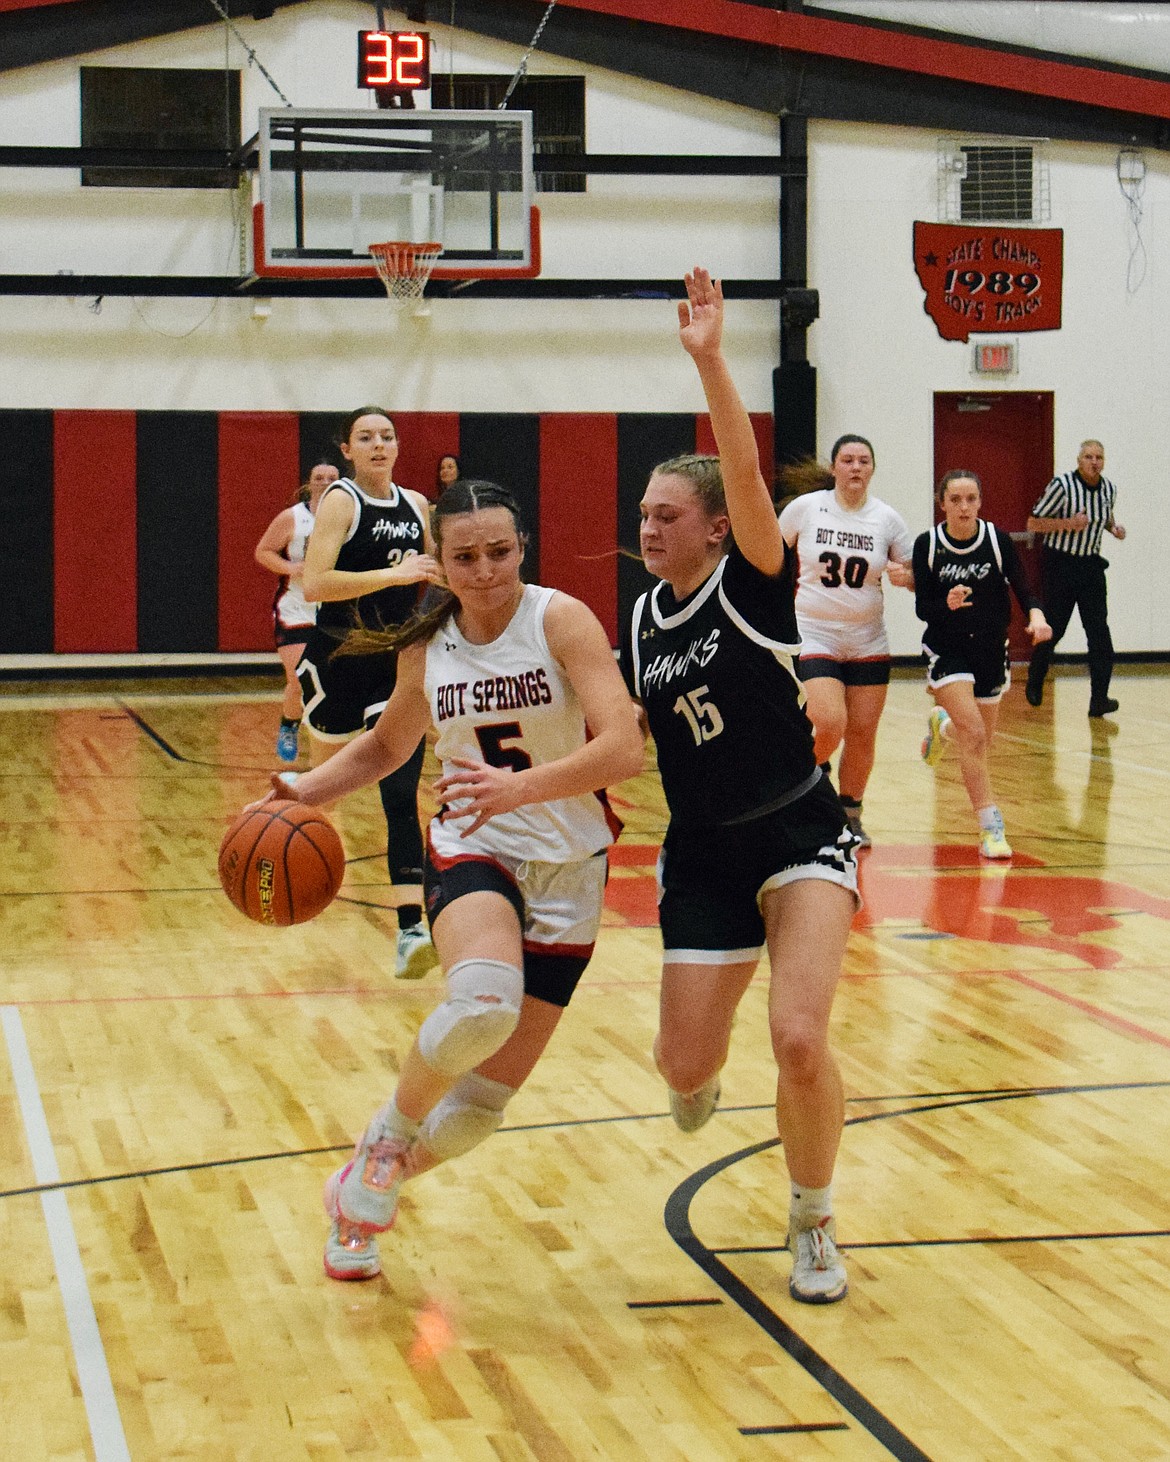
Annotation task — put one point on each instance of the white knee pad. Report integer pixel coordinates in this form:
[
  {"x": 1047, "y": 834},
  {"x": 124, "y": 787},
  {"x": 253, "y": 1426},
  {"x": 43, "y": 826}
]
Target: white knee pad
[
  {"x": 468, "y": 1115},
  {"x": 479, "y": 1014}
]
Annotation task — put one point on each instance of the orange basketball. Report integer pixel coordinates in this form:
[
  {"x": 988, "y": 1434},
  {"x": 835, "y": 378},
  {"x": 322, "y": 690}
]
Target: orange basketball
[{"x": 281, "y": 863}]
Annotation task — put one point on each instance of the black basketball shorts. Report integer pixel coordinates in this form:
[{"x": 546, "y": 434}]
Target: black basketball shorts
[
  {"x": 988, "y": 666},
  {"x": 345, "y": 693},
  {"x": 711, "y": 879}
]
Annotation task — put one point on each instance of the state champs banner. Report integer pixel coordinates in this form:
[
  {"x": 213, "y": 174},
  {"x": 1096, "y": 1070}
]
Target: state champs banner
[{"x": 986, "y": 279}]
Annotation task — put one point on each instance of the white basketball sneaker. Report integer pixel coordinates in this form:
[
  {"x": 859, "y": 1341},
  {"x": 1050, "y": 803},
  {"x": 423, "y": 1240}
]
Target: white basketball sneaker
[{"x": 818, "y": 1275}]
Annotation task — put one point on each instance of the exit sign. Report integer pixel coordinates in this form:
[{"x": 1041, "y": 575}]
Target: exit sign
[{"x": 995, "y": 358}]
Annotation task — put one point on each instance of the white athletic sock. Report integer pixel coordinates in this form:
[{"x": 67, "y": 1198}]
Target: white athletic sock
[
  {"x": 809, "y": 1206},
  {"x": 990, "y": 819},
  {"x": 395, "y": 1124}
]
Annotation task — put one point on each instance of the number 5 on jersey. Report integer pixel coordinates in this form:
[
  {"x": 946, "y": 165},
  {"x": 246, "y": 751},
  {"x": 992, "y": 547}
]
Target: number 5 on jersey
[
  {"x": 491, "y": 742},
  {"x": 701, "y": 716}
]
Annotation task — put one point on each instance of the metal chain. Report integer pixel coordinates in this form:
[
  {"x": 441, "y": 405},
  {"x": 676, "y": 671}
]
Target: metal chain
[
  {"x": 522, "y": 69},
  {"x": 253, "y": 59}
]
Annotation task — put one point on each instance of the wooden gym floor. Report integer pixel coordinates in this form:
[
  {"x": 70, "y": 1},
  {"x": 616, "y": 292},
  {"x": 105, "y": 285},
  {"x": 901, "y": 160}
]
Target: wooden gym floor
[{"x": 175, "y": 1085}]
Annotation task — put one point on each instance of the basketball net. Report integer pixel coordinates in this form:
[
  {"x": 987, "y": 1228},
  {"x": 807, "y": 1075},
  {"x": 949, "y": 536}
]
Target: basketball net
[{"x": 404, "y": 269}]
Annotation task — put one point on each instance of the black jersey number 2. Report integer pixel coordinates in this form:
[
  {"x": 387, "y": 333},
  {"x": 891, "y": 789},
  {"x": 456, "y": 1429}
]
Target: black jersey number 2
[
  {"x": 491, "y": 742},
  {"x": 701, "y": 716},
  {"x": 852, "y": 575}
]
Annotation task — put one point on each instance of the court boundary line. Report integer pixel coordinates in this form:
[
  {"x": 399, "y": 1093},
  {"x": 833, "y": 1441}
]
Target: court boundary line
[{"x": 89, "y": 1356}]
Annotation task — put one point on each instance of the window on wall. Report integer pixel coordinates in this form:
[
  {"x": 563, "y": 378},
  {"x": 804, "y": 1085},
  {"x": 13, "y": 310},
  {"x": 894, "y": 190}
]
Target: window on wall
[
  {"x": 1002, "y": 180},
  {"x": 557, "y": 104},
  {"x": 158, "y": 109}
]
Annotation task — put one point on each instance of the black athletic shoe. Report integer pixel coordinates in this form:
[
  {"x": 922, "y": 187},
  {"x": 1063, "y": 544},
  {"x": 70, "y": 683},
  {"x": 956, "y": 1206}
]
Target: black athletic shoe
[
  {"x": 1103, "y": 708},
  {"x": 1034, "y": 694}
]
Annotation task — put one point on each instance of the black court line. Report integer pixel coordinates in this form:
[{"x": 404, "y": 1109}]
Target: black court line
[
  {"x": 1150, "y": 1233},
  {"x": 678, "y": 1225},
  {"x": 800, "y": 1426},
  {"x": 187, "y": 1167},
  {"x": 165, "y": 746},
  {"x": 929, "y": 1101},
  {"x": 670, "y": 1304}
]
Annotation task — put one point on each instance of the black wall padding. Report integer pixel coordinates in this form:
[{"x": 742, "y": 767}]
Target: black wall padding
[
  {"x": 506, "y": 449},
  {"x": 178, "y": 530},
  {"x": 644, "y": 440},
  {"x": 26, "y": 543}
]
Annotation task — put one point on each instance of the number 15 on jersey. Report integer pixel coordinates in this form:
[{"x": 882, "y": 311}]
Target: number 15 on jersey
[{"x": 701, "y": 716}]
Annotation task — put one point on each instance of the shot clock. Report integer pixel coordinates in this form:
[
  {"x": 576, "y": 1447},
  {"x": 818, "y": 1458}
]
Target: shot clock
[{"x": 394, "y": 61}]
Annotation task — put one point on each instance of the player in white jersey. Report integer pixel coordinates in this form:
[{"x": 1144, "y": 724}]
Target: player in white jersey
[
  {"x": 845, "y": 539},
  {"x": 533, "y": 721},
  {"x": 281, "y": 550}
]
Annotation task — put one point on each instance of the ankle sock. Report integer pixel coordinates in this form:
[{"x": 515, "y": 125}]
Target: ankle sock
[
  {"x": 810, "y": 1205},
  {"x": 396, "y": 1124},
  {"x": 409, "y": 915}
]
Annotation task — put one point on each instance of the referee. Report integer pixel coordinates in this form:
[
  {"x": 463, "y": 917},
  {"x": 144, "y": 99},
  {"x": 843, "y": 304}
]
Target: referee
[{"x": 1074, "y": 510}]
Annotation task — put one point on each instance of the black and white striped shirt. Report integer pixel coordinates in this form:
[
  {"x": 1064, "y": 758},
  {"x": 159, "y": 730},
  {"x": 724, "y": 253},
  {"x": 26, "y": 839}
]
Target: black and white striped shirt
[{"x": 1065, "y": 497}]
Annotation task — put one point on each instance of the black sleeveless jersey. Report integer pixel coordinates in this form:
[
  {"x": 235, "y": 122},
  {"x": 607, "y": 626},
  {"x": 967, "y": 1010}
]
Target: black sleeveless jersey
[
  {"x": 716, "y": 674},
  {"x": 384, "y": 532},
  {"x": 987, "y": 564}
]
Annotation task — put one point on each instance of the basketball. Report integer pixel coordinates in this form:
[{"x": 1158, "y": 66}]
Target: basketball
[{"x": 281, "y": 863}]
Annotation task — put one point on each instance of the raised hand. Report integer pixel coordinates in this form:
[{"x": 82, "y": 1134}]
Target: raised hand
[{"x": 700, "y": 315}]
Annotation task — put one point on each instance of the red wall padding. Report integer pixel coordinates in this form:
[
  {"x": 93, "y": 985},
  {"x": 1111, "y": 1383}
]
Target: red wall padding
[
  {"x": 259, "y": 472},
  {"x": 424, "y": 437},
  {"x": 96, "y": 512},
  {"x": 95, "y": 532},
  {"x": 763, "y": 427},
  {"x": 578, "y": 510}
]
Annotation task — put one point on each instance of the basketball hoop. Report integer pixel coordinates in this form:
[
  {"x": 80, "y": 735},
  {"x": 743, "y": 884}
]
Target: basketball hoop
[{"x": 404, "y": 269}]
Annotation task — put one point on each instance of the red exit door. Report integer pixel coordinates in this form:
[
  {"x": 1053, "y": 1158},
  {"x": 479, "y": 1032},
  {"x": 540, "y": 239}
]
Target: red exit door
[{"x": 1006, "y": 438}]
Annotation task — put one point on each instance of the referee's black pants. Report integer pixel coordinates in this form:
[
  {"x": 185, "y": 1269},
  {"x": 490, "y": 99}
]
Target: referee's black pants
[{"x": 1076, "y": 582}]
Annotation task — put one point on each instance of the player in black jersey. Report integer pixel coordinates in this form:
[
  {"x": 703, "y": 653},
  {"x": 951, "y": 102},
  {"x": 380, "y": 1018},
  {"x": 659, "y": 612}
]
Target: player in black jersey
[
  {"x": 369, "y": 553},
  {"x": 962, "y": 570},
  {"x": 757, "y": 851}
]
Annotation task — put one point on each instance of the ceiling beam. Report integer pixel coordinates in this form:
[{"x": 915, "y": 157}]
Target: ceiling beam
[
  {"x": 30, "y": 37},
  {"x": 914, "y": 50},
  {"x": 225, "y": 286},
  {"x": 785, "y": 82}
]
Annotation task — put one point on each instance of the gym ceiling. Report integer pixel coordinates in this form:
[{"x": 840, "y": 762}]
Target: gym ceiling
[{"x": 783, "y": 61}]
